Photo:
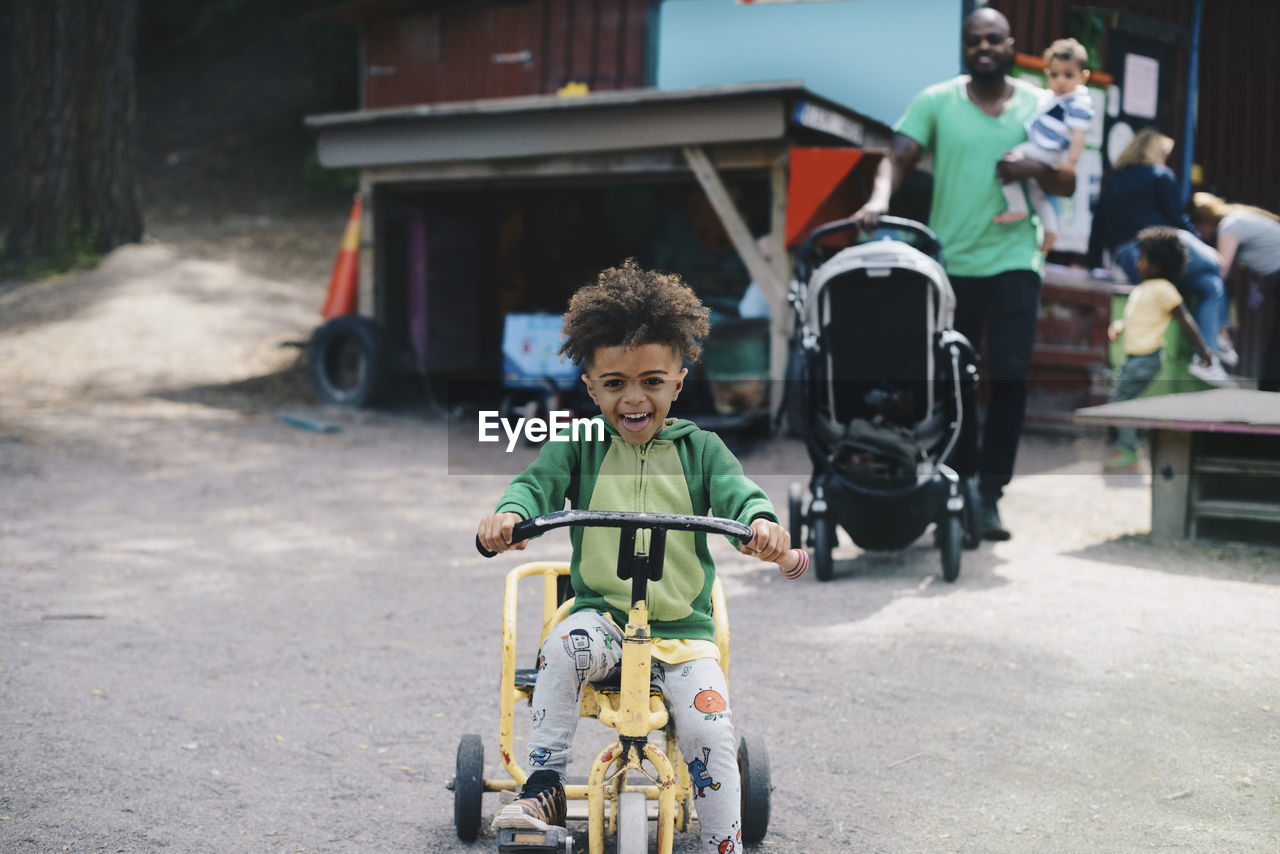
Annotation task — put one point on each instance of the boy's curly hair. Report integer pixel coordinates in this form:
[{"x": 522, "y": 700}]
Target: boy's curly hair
[
  {"x": 631, "y": 307},
  {"x": 1164, "y": 250}
]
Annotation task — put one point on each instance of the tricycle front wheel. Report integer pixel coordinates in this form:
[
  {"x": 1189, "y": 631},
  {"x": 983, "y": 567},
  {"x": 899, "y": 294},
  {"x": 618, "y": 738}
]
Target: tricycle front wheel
[{"x": 633, "y": 824}]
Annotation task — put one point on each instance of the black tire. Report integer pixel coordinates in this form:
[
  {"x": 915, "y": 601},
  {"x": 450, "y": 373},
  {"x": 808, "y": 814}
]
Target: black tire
[
  {"x": 951, "y": 542},
  {"x": 795, "y": 515},
  {"x": 972, "y": 513},
  {"x": 468, "y": 787},
  {"x": 823, "y": 543},
  {"x": 348, "y": 361},
  {"x": 633, "y": 824},
  {"x": 753, "y": 769}
]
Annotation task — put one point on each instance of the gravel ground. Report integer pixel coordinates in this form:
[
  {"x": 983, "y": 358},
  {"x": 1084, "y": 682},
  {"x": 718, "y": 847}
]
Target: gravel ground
[{"x": 221, "y": 633}]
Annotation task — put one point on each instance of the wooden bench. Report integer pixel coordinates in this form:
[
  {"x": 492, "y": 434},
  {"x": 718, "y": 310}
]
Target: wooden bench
[{"x": 1214, "y": 455}]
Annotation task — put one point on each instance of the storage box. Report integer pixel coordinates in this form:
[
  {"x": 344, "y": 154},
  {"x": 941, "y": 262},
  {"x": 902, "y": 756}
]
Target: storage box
[{"x": 529, "y": 345}]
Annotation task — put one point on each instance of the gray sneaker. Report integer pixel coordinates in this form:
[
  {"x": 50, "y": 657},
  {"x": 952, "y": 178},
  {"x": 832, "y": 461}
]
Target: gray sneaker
[{"x": 540, "y": 805}]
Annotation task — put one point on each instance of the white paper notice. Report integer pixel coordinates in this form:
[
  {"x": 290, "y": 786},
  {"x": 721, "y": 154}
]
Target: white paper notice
[{"x": 1141, "y": 85}]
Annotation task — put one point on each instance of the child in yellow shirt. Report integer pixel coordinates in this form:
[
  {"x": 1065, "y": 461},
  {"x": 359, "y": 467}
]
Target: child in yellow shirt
[{"x": 1146, "y": 317}]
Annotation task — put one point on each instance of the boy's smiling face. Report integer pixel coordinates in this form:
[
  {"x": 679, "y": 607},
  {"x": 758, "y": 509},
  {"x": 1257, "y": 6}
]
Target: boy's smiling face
[{"x": 635, "y": 387}]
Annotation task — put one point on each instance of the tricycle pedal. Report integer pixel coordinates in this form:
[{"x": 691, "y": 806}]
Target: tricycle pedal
[{"x": 553, "y": 840}]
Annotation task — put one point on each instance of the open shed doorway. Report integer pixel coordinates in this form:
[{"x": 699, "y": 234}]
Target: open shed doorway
[{"x": 453, "y": 262}]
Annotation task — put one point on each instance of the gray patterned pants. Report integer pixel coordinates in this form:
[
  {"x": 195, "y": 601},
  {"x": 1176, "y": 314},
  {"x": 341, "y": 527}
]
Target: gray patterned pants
[{"x": 587, "y": 647}]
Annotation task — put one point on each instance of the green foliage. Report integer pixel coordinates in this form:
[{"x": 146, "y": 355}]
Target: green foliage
[
  {"x": 1088, "y": 26},
  {"x": 222, "y": 27},
  {"x": 78, "y": 250},
  {"x": 316, "y": 176}
]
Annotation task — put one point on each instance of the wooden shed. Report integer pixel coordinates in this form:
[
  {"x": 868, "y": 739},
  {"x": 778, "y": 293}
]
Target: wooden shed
[{"x": 477, "y": 209}]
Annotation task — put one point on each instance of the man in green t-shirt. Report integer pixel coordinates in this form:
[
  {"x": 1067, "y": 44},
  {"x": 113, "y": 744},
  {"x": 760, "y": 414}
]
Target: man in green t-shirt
[{"x": 969, "y": 124}]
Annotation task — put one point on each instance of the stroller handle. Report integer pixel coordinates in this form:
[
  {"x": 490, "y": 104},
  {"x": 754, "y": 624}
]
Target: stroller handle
[
  {"x": 932, "y": 246},
  {"x": 792, "y": 564}
]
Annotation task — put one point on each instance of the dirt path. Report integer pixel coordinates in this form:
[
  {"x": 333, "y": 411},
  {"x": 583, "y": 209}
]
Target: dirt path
[{"x": 222, "y": 633}]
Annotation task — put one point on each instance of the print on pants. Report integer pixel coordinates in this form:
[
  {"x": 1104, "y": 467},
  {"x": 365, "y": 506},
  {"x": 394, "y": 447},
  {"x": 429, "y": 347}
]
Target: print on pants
[
  {"x": 729, "y": 844},
  {"x": 710, "y": 703},
  {"x": 585, "y": 647},
  {"x": 698, "y": 773},
  {"x": 577, "y": 644}
]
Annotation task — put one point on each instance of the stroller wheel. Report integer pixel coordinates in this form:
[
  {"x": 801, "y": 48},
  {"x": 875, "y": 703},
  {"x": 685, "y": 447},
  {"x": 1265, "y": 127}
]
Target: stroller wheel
[
  {"x": 823, "y": 543},
  {"x": 972, "y": 514},
  {"x": 951, "y": 542},
  {"x": 795, "y": 516}
]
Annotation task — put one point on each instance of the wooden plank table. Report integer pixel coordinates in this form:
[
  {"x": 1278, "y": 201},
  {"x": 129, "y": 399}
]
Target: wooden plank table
[{"x": 1214, "y": 455}]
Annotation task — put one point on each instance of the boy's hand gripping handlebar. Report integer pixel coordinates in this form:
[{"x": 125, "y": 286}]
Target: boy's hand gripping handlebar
[{"x": 793, "y": 564}]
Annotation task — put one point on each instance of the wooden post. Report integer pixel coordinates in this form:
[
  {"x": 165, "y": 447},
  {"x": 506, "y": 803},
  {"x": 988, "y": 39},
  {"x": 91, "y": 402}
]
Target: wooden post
[
  {"x": 764, "y": 273},
  {"x": 369, "y": 260},
  {"x": 734, "y": 225},
  {"x": 780, "y": 312},
  {"x": 1170, "y": 484}
]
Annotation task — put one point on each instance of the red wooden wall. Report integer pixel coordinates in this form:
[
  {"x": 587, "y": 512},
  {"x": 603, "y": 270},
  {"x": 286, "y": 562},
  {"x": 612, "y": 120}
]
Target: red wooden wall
[
  {"x": 1238, "y": 126},
  {"x": 435, "y": 52}
]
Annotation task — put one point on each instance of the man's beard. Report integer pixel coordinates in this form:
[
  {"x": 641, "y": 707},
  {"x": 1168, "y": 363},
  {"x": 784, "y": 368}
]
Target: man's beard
[{"x": 998, "y": 73}]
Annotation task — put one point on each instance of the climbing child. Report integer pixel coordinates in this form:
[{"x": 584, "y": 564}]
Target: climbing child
[{"x": 1146, "y": 317}]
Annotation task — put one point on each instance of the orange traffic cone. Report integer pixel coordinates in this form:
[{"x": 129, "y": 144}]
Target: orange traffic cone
[{"x": 344, "y": 290}]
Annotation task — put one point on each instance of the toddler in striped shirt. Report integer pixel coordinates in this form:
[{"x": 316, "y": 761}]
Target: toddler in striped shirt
[{"x": 1055, "y": 135}]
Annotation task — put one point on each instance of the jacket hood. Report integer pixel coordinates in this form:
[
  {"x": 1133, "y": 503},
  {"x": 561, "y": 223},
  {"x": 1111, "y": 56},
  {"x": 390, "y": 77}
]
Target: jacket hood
[{"x": 676, "y": 428}]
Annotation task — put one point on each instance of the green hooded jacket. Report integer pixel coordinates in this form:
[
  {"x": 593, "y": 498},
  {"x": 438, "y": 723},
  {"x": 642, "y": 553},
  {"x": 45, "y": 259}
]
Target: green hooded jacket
[{"x": 681, "y": 470}]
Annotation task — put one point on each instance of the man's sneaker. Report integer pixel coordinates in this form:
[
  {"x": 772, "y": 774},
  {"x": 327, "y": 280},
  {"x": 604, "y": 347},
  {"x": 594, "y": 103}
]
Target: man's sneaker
[
  {"x": 540, "y": 805},
  {"x": 1212, "y": 373},
  {"x": 1124, "y": 459},
  {"x": 992, "y": 527}
]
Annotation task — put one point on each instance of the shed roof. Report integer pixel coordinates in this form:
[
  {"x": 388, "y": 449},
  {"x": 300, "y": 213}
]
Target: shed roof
[{"x": 600, "y": 122}]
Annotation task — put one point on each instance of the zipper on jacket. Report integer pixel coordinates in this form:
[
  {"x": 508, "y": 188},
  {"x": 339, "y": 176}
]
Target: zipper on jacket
[{"x": 642, "y": 541}]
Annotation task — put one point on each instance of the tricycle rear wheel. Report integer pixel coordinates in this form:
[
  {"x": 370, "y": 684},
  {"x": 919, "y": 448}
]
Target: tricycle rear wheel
[
  {"x": 753, "y": 771},
  {"x": 468, "y": 786},
  {"x": 795, "y": 515}
]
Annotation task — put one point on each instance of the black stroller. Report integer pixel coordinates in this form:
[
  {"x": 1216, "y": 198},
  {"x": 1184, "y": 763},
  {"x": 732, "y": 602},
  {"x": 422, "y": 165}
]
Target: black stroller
[{"x": 878, "y": 387}]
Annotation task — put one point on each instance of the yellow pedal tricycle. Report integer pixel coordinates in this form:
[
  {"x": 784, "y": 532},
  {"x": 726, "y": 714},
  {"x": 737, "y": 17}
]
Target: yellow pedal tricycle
[{"x": 631, "y": 772}]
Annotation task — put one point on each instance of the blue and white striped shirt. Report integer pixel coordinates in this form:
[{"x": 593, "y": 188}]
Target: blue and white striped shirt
[{"x": 1051, "y": 128}]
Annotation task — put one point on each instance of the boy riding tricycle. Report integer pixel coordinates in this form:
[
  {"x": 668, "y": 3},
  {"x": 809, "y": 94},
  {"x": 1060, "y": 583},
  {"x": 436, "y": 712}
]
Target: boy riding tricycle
[{"x": 642, "y": 608}]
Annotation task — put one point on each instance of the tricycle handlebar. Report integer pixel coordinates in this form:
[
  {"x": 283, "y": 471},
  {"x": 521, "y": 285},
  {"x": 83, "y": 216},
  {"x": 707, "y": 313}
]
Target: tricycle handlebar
[
  {"x": 793, "y": 564},
  {"x": 624, "y": 521}
]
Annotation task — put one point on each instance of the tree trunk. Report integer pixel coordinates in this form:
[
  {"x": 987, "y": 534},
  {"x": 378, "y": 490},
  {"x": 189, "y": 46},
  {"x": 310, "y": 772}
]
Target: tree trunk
[{"x": 75, "y": 183}]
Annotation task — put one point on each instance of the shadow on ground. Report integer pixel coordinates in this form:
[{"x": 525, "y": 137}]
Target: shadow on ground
[
  {"x": 1226, "y": 561},
  {"x": 290, "y": 386}
]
